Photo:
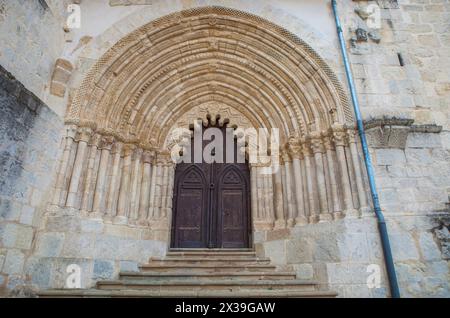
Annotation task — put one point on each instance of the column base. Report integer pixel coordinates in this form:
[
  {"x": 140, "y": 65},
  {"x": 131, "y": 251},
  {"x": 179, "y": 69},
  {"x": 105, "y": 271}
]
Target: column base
[
  {"x": 325, "y": 217},
  {"x": 290, "y": 222},
  {"x": 366, "y": 211},
  {"x": 338, "y": 215},
  {"x": 280, "y": 224},
  {"x": 301, "y": 220},
  {"x": 159, "y": 224},
  {"x": 120, "y": 220},
  {"x": 143, "y": 222},
  {"x": 353, "y": 213},
  {"x": 96, "y": 215},
  {"x": 313, "y": 218},
  {"x": 263, "y": 225}
]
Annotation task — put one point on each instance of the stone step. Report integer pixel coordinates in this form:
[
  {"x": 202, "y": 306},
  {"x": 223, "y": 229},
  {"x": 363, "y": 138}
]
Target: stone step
[
  {"x": 201, "y": 253},
  {"x": 94, "y": 293},
  {"x": 213, "y": 261},
  {"x": 201, "y": 268},
  {"x": 209, "y": 276},
  {"x": 213, "y": 250},
  {"x": 196, "y": 285}
]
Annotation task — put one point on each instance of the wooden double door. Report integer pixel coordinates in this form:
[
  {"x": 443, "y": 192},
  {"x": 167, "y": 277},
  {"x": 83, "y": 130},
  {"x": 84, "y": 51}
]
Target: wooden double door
[{"x": 211, "y": 206}]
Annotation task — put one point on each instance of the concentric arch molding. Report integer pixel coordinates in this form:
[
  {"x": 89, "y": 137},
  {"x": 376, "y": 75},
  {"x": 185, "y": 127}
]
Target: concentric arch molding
[{"x": 163, "y": 70}]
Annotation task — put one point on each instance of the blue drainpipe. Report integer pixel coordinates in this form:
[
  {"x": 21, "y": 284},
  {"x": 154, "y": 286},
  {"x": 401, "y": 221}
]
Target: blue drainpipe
[{"x": 389, "y": 262}]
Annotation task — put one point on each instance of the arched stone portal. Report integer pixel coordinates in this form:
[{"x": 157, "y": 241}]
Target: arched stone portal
[{"x": 205, "y": 63}]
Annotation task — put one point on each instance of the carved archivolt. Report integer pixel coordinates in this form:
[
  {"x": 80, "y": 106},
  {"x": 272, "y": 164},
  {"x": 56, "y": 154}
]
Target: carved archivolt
[
  {"x": 218, "y": 65},
  {"x": 161, "y": 71}
]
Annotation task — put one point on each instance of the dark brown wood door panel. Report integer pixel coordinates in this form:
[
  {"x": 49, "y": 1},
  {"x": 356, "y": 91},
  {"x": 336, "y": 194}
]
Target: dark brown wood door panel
[{"x": 211, "y": 206}]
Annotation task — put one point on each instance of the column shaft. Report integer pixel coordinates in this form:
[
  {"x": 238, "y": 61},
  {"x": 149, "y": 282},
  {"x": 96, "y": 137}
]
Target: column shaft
[
  {"x": 78, "y": 169},
  {"x": 112, "y": 191},
  {"x": 100, "y": 188}
]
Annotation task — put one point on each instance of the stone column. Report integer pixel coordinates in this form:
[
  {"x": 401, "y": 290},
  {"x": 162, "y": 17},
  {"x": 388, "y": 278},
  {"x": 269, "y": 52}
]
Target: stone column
[
  {"x": 100, "y": 188},
  {"x": 113, "y": 185},
  {"x": 147, "y": 159},
  {"x": 296, "y": 154},
  {"x": 260, "y": 187},
  {"x": 339, "y": 141},
  {"x": 305, "y": 188},
  {"x": 362, "y": 198},
  {"x": 152, "y": 212},
  {"x": 254, "y": 190},
  {"x": 159, "y": 186},
  {"x": 136, "y": 178},
  {"x": 290, "y": 199},
  {"x": 124, "y": 191},
  {"x": 170, "y": 185},
  {"x": 318, "y": 150},
  {"x": 165, "y": 162},
  {"x": 268, "y": 181},
  {"x": 280, "y": 222},
  {"x": 311, "y": 182},
  {"x": 337, "y": 211},
  {"x": 64, "y": 163},
  {"x": 84, "y": 135},
  {"x": 91, "y": 172}
]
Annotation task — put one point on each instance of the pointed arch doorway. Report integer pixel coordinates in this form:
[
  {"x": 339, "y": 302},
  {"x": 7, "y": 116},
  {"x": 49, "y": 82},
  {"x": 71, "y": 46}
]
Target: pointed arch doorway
[{"x": 211, "y": 202}]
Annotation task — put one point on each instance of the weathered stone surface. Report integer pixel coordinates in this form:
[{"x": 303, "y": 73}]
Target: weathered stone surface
[
  {"x": 390, "y": 157},
  {"x": 16, "y": 235},
  {"x": 78, "y": 245},
  {"x": 411, "y": 160},
  {"x": 299, "y": 251},
  {"x": 353, "y": 247},
  {"x": 403, "y": 247},
  {"x": 103, "y": 269},
  {"x": 27, "y": 215},
  {"x": 304, "y": 271},
  {"x": 418, "y": 140},
  {"x": 429, "y": 248},
  {"x": 128, "y": 266},
  {"x": 40, "y": 270},
  {"x": 50, "y": 244},
  {"x": 276, "y": 250},
  {"x": 14, "y": 262},
  {"x": 91, "y": 226}
]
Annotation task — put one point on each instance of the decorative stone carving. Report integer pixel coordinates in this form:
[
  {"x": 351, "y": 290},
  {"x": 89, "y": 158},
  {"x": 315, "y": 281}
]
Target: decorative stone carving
[
  {"x": 60, "y": 77},
  {"x": 155, "y": 94}
]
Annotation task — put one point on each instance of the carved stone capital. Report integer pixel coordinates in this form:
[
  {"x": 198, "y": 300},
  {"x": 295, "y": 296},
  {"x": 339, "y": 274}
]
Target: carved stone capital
[
  {"x": 351, "y": 136},
  {"x": 137, "y": 153},
  {"x": 128, "y": 149},
  {"x": 84, "y": 134},
  {"x": 148, "y": 156},
  {"x": 295, "y": 148},
  {"x": 328, "y": 143},
  {"x": 306, "y": 147},
  {"x": 117, "y": 147},
  {"x": 339, "y": 135},
  {"x": 317, "y": 143},
  {"x": 164, "y": 159},
  {"x": 106, "y": 142},
  {"x": 95, "y": 140},
  {"x": 71, "y": 131},
  {"x": 286, "y": 157}
]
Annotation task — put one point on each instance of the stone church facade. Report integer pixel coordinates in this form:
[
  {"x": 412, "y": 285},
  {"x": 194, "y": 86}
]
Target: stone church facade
[{"x": 88, "y": 116}]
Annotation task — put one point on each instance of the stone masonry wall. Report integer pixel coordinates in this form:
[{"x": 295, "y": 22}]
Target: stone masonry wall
[
  {"x": 401, "y": 71},
  {"x": 31, "y": 39},
  {"x": 29, "y": 140}
]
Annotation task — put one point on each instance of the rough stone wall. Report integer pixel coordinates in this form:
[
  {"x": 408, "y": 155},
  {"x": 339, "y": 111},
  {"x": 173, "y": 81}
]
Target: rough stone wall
[
  {"x": 412, "y": 164},
  {"x": 100, "y": 249},
  {"x": 29, "y": 142},
  {"x": 413, "y": 177},
  {"x": 31, "y": 39}
]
